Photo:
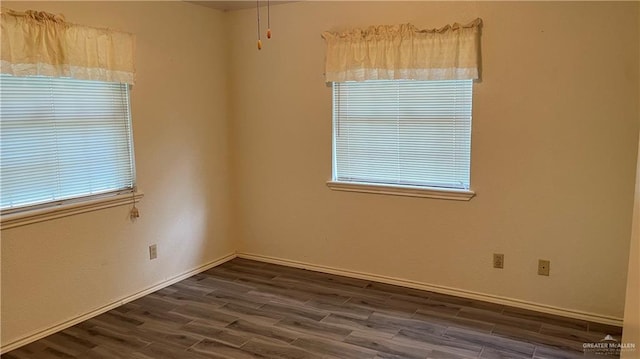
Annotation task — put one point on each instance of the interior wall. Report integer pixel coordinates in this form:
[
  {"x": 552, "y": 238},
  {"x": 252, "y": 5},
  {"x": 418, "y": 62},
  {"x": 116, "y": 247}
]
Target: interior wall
[
  {"x": 555, "y": 134},
  {"x": 631, "y": 330},
  {"x": 56, "y": 270},
  {"x": 553, "y": 158}
]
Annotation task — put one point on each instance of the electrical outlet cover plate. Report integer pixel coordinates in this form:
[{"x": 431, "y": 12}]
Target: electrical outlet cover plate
[
  {"x": 543, "y": 267},
  {"x": 153, "y": 251},
  {"x": 498, "y": 260}
]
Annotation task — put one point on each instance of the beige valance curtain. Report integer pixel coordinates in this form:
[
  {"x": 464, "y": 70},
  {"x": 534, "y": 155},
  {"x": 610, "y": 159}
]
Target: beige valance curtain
[
  {"x": 39, "y": 43},
  {"x": 404, "y": 52}
]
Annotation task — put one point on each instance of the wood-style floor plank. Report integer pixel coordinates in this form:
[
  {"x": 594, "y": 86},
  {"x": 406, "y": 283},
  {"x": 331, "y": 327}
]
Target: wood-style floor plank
[{"x": 249, "y": 309}]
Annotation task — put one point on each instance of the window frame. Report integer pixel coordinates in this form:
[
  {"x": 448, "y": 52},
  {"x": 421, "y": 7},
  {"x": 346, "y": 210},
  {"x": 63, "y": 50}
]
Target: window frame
[
  {"x": 61, "y": 210},
  {"x": 20, "y": 215},
  {"x": 389, "y": 188}
]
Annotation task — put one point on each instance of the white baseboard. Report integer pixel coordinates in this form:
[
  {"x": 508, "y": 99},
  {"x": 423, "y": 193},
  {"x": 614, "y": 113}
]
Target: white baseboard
[
  {"x": 73, "y": 321},
  {"x": 592, "y": 317}
]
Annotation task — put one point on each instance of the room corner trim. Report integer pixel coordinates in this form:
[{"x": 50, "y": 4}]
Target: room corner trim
[
  {"x": 543, "y": 308},
  {"x": 78, "y": 319}
]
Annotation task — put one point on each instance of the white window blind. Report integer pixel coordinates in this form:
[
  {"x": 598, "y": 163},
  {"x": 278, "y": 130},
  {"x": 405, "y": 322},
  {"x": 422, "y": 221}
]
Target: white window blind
[
  {"x": 62, "y": 139},
  {"x": 403, "y": 132}
]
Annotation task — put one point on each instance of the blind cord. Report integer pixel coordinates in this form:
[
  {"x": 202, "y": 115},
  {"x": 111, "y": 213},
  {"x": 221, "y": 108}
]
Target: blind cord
[{"x": 134, "y": 210}]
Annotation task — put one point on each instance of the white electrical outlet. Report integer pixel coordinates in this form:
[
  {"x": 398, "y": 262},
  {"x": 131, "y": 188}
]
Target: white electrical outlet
[
  {"x": 498, "y": 260},
  {"x": 153, "y": 251},
  {"x": 544, "y": 267}
]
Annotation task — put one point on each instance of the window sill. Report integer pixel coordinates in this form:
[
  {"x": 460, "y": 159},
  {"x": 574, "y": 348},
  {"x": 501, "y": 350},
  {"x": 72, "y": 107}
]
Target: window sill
[
  {"x": 410, "y": 191},
  {"x": 64, "y": 210}
]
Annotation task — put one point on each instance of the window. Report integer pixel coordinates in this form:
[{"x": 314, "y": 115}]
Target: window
[
  {"x": 406, "y": 136},
  {"x": 63, "y": 140}
]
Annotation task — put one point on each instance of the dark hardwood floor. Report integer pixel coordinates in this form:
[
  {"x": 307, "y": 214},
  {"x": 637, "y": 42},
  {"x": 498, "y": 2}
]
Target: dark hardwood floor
[{"x": 249, "y": 309}]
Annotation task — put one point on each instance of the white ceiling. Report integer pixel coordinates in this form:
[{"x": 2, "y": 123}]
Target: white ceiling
[{"x": 235, "y": 5}]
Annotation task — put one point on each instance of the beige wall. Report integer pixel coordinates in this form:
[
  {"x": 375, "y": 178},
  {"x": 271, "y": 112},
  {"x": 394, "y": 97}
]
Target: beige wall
[
  {"x": 554, "y": 153},
  {"x": 631, "y": 333},
  {"x": 555, "y": 133},
  {"x": 57, "y": 270}
]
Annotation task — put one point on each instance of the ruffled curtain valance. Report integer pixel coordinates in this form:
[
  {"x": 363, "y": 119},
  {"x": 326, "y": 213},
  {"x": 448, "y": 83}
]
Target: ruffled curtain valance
[
  {"x": 404, "y": 52},
  {"x": 39, "y": 43}
]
